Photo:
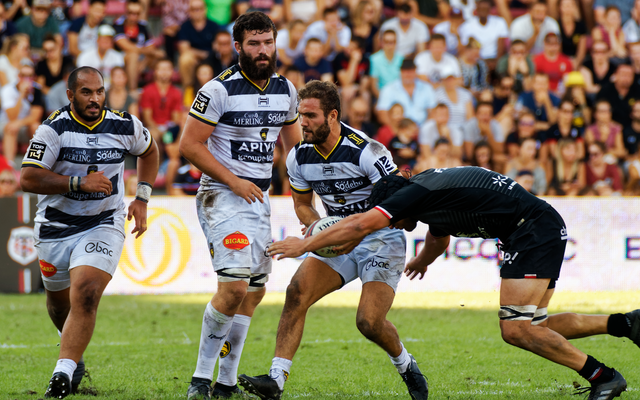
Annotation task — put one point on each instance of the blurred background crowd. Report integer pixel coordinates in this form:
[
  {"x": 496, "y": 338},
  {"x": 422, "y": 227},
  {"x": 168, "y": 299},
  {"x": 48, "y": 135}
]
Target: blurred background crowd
[{"x": 547, "y": 93}]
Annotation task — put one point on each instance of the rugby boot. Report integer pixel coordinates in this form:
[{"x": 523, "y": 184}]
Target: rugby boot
[
  {"x": 199, "y": 389},
  {"x": 221, "y": 391},
  {"x": 416, "y": 382},
  {"x": 607, "y": 390},
  {"x": 59, "y": 386},
  {"x": 634, "y": 320},
  {"x": 262, "y": 386},
  {"x": 78, "y": 374}
]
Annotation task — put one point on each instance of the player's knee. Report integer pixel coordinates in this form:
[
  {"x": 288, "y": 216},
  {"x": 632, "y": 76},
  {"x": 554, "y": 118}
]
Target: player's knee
[
  {"x": 57, "y": 311},
  {"x": 88, "y": 297},
  {"x": 368, "y": 326},
  {"x": 515, "y": 323}
]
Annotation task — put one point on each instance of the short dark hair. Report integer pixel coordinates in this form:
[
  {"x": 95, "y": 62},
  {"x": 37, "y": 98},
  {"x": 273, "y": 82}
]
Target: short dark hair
[
  {"x": 437, "y": 36},
  {"x": 484, "y": 103},
  {"x": 254, "y": 21},
  {"x": 326, "y": 92},
  {"x": 329, "y": 10},
  {"x": 517, "y": 42},
  {"x": 92, "y": 2},
  {"x": 404, "y": 7},
  {"x": 72, "y": 82},
  {"x": 164, "y": 59}
]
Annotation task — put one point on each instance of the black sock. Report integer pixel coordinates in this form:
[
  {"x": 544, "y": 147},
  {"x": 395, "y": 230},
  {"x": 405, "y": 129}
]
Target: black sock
[
  {"x": 225, "y": 388},
  {"x": 200, "y": 380},
  {"x": 596, "y": 372},
  {"x": 619, "y": 325}
]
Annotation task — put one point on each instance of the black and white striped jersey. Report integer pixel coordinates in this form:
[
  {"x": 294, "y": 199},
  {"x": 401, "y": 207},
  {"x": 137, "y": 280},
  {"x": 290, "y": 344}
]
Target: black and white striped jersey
[
  {"x": 344, "y": 178},
  {"x": 67, "y": 146},
  {"x": 247, "y": 121}
]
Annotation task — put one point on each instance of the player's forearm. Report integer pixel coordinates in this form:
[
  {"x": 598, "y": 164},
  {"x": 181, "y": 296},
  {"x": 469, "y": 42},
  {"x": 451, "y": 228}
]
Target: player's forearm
[
  {"x": 433, "y": 248},
  {"x": 43, "y": 181},
  {"x": 148, "y": 165},
  {"x": 353, "y": 227},
  {"x": 306, "y": 213}
]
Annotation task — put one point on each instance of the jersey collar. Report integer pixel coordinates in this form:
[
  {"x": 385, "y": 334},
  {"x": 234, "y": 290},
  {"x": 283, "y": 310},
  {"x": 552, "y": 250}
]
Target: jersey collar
[{"x": 85, "y": 125}]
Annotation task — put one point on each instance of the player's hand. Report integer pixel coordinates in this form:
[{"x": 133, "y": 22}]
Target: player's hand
[
  {"x": 96, "y": 183},
  {"x": 247, "y": 190},
  {"x": 348, "y": 247},
  {"x": 290, "y": 247},
  {"x": 138, "y": 210},
  {"x": 414, "y": 268}
]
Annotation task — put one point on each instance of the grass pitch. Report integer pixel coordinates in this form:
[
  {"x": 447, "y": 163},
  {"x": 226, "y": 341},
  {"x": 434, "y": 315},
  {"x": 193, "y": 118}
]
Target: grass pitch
[{"x": 145, "y": 347}]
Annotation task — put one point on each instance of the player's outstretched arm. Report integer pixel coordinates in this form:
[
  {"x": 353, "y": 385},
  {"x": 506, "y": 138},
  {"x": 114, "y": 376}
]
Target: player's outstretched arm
[
  {"x": 148, "y": 164},
  {"x": 433, "y": 247},
  {"x": 43, "y": 181}
]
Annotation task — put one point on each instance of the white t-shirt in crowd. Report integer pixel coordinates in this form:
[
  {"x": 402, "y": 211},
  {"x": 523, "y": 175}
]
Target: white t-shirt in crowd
[
  {"x": 426, "y": 65},
  {"x": 406, "y": 42},
  {"x": 91, "y": 58},
  {"x": 429, "y": 134},
  {"x": 10, "y": 72},
  {"x": 282, "y": 42},
  {"x": 317, "y": 30},
  {"x": 522, "y": 28},
  {"x": 467, "y": 7},
  {"x": 444, "y": 28},
  {"x": 487, "y": 35}
]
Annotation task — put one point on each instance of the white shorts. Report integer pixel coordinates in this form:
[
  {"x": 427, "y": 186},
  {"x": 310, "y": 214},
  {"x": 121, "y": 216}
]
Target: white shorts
[
  {"x": 378, "y": 258},
  {"x": 99, "y": 247},
  {"x": 237, "y": 232}
]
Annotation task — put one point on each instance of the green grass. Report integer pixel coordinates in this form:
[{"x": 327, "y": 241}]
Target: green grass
[{"x": 145, "y": 347}]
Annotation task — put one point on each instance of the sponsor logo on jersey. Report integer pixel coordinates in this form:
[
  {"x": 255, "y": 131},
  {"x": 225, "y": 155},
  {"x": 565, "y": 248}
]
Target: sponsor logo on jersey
[
  {"x": 235, "y": 241},
  {"x": 248, "y": 119},
  {"x": 500, "y": 180},
  {"x": 354, "y": 208},
  {"x": 78, "y": 155},
  {"x": 225, "y": 74},
  {"x": 384, "y": 166},
  {"x": 201, "y": 103},
  {"x": 263, "y": 101},
  {"x": 92, "y": 169},
  {"x": 257, "y": 152},
  {"x": 377, "y": 262},
  {"x": 36, "y": 151},
  {"x": 99, "y": 247},
  {"x": 226, "y": 349},
  {"x": 20, "y": 246},
  {"x": 263, "y": 133},
  {"x": 211, "y": 250},
  {"x": 118, "y": 113},
  {"x": 339, "y": 186},
  {"x": 47, "y": 269},
  {"x": 328, "y": 170},
  {"x": 54, "y": 115},
  {"x": 340, "y": 199},
  {"x": 356, "y": 139},
  {"x": 92, "y": 140},
  {"x": 563, "y": 233},
  {"x": 276, "y": 118}
]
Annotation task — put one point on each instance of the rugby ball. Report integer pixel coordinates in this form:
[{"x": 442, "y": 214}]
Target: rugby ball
[{"x": 319, "y": 226}]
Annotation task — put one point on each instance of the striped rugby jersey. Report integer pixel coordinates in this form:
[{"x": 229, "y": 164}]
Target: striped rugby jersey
[
  {"x": 344, "y": 178},
  {"x": 67, "y": 146},
  {"x": 247, "y": 122}
]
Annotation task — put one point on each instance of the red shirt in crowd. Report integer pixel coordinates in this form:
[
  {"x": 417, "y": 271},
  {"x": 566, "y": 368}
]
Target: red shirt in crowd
[
  {"x": 554, "y": 69},
  {"x": 162, "y": 106}
]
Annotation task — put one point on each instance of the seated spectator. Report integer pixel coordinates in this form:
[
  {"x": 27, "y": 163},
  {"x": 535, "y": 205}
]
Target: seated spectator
[
  {"x": 527, "y": 160},
  {"x": 57, "y": 96},
  {"x": 482, "y": 156},
  {"x": 385, "y": 64},
  {"x": 224, "y": 54},
  {"x": 404, "y": 147},
  {"x": 621, "y": 93},
  {"x": 567, "y": 174},
  {"x": 351, "y": 67},
  {"x": 118, "y": 96},
  {"x": 600, "y": 10},
  {"x": 503, "y": 100},
  {"x": 541, "y": 102},
  {"x": 438, "y": 126},
  {"x": 525, "y": 128},
  {"x": 203, "y": 74},
  {"x": 187, "y": 181},
  {"x": 313, "y": 64},
  {"x": 8, "y": 183},
  {"x": 358, "y": 116},
  {"x": 432, "y": 63},
  {"x": 133, "y": 39},
  {"x": 573, "y": 33},
  {"x": 412, "y": 34},
  {"x": 103, "y": 58},
  {"x": 576, "y": 92},
  {"x": 194, "y": 41},
  {"x": 552, "y": 62},
  {"x": 441, "y": 157},
  {"x": 607, "y": 131},
  {"x": 459, "y": 100},
  {"x": 174, "y": 14},
  {"x": 415, "y": 96},
  {"x": 21, "y": 111},
  {"x": 484, "y": 128},
  {"x": 332, "y": 34},
  {"x": 293, "y": 74},
  {"x": 610, "y": 32},
  {"x": 305, "y": 10},
  {"x": 598, "y": 70},
  {"x": 603, "y": 178},
  {"x": 525, "y": 178},
  {"x": 450, "y": 30},
  {"x": 7, "y": 27},
  {"x": 634, "y": 58},
  {"x": 562, "y": 129},
  {"x": 49, "y": 69},
  {"x": 288, "y": 42},
  {"x": 273, "y": 8},
  {"x": 631, "y": 28},
  {"x": 14, "y": 50},
  {"x": 633, "y": 181},
  {"x": 365, "y": 25},
  {"x": 489, "y": 30},
  {"x": 475, "y": 72},
  {"x": 631, "y": 132},
  {"x": 38, "y": 25},
  {"x": 390, "y": 130},
  {"x": 533, "y": 27},
  {"x": 518, "y": 65},
  {"x": 83, "y": 32}
]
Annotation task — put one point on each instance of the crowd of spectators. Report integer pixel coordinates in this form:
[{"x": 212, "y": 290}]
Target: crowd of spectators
[{"x": 547, "y": 93}]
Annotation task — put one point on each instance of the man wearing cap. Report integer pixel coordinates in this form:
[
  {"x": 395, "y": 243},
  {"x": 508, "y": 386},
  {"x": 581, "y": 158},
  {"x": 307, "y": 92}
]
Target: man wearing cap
[
  {"x": 533, "y": 26},
  {"x": 449, "y": 29},
  {"x": 489, "y": 30},
  {"x": 432, "y": 63},
  {"x": 39, "y": 23},
  {"x": 552, "y": 62},
  {"x": 415, "y": 96},
  {"x": 83, "y": 32},
  {"x": 103, "y": 58}
]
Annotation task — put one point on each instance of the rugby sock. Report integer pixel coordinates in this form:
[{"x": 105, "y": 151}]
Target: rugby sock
[
  {"x": 618, "y": 325},
  {"x": 402, "y": 361},
  {"x": 279, "y": 371},
  {"x": 596, "y": 372},
  {"x": 215, "y": 327},
  {"x": 230, "y": 357},
  {"x": 66, "y": 366}
]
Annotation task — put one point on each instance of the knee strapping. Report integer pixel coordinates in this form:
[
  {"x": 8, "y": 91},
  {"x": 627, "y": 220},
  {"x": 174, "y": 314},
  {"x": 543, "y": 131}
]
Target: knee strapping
[
  {"x": 517, "y": 313},
  {"x": 540, "y": 316}
]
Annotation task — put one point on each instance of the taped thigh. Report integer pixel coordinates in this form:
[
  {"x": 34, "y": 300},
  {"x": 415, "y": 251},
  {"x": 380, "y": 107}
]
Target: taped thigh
[
  {"x": 540, "y": 316},
  {"x": 517, "y": 313},
  {"x": 257, "y": 282},
  {"x": 234, "y": 275}
]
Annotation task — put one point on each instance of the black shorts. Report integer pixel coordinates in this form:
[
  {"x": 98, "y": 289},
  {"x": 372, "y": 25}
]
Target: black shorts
[{"x": 536, "y": 249}]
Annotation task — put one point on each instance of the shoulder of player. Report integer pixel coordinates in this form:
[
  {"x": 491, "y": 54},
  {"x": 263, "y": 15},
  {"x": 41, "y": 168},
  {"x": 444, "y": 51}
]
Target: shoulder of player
[{"x": 357, "y": 138}]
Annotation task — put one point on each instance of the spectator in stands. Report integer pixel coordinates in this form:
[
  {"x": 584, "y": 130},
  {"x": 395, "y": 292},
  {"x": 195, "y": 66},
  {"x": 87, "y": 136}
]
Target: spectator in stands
[
  {"x": 449, "y": 29},
  {"x": 174, "y": 14},
  {"x": 224, "y": 54},
  {"x": 330, "y": 31},
  {"x": 57, "y": 96},
  {"x": 573, "y": 33},
  {"x": 631, "y": 132},
  {"x": 598, "y": 70},
  {"x": 607, "y": 131},
  {"x": 633, "y": 181},
  {"x": 187, "y": 181},
  {"x": 634, "y": 58},
  {"x": 273, "y": 8},
  {"x": 621, "y": 93},
  {"x": 385, "y": 64},
  {"x": 489, "y": 30},
  {"x": 288, "y": 41},
  {"x": 567, "y": 174},
  {"x": 527, "y": 160},
  {"x": 483, "y": 128},
  {"x": 576, "y": 93},
  {"x": 313, "y": 64},
  {"x": 525, "y": 128},
  {"x": 541, "y": 102},
  {"x": 194, "y": 41},
  {"x": 525, "y": 178},
  {"x": 631, "y": 28},
  {"x": 603, "y": 178},
  {"x": 458, "y": 99},
  {"x": 475, "y": 73},
  {"x": 103, "y": 58},
  {"x": 441, "y": 157},
  {"x": 564, "y": 128},
  {"x": 118, "y": 96},
  {"x": 8, "y": 183},
  {"x": 433, "y": 63},
  {"x": 624, "y": 7},
  {"x": 49, "y": 69},
  {"x": 412, "y": 34},
  {"x": 438, "y": 126},
  {"x": 483, "y": 156},
  {"x": 39, "y": 24},
  {"x": 21, "y": 111},
  {"x": 518, "y": 65},
  {"x": 351, "y": 67},
  {"x": 133, "y": 38},
  {"x": 365, "y": 24},
  {"x": 415, "y": 96},
  {"x": 7, "y": 27},
  {"x": 389, "y": 130},
  {"x": 552, "y": 62},
  {"x": 14, "y": 50},
  {"x": 293, "y": 74},
  {"x": 533, "y": 27},
  {"x": 405, "y": 147},
  {"x": 203, "y": 74},
  {"x": 610, "y": 32},
  {"x": 358, "y": 116},
  {"x": 83, "y": 32}
]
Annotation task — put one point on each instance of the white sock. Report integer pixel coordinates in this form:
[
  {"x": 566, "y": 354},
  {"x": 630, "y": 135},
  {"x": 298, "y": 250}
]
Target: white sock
[
  {"x": 67, "y": 366},
  {"x": 215, "y": 327},
  {"x": 279, "y": 371},
  {"x": 232, "y": 350},
  {"x": 402, "y": 361}
]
